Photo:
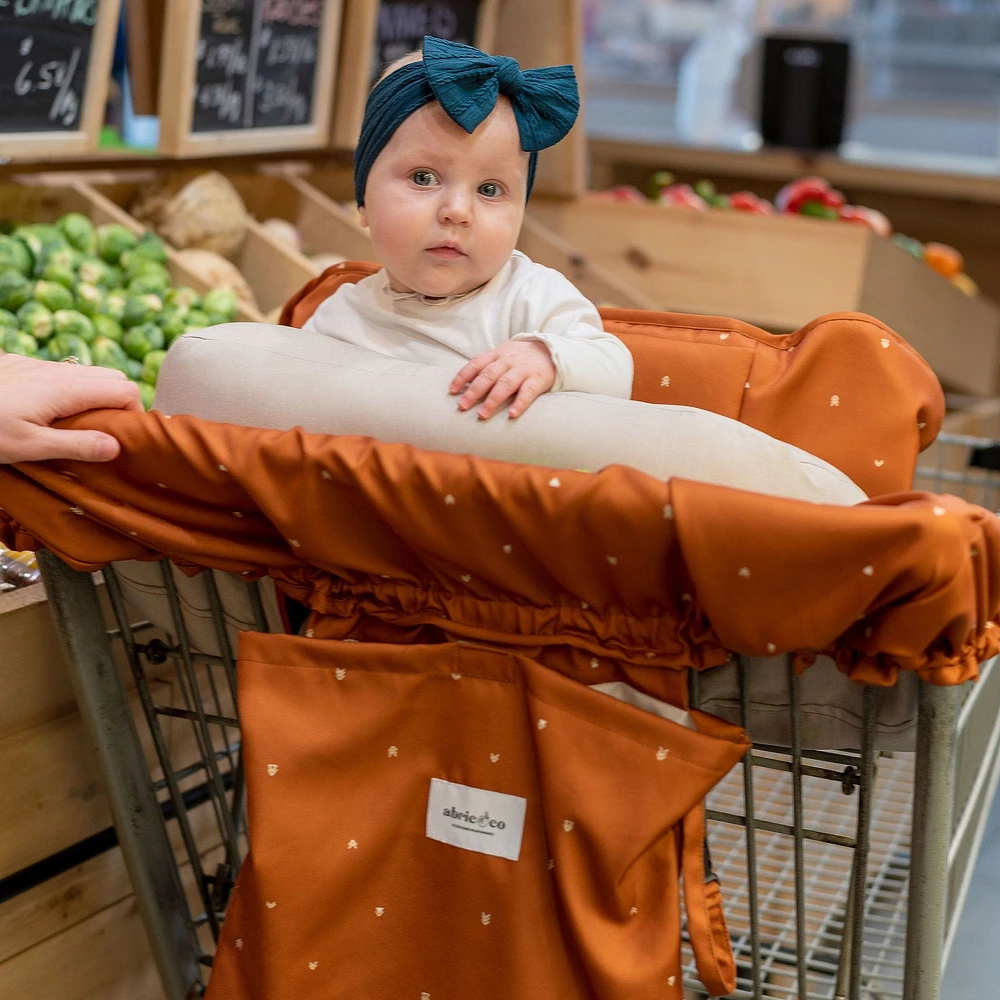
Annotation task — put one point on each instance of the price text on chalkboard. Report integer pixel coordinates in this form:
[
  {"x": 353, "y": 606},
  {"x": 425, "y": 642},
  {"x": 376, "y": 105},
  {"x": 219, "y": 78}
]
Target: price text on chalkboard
[
  {"x": 256, "y": 64},
  {"x": 402, "y": 25},
  {"x": 44, "y": 52}
]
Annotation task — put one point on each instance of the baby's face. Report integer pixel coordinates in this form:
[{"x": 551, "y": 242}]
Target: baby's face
[{"x": 444, "y": 207}]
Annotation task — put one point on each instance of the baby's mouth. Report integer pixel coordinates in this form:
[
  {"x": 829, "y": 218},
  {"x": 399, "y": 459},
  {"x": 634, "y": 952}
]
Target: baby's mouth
[{"x": 445, "y": 252}]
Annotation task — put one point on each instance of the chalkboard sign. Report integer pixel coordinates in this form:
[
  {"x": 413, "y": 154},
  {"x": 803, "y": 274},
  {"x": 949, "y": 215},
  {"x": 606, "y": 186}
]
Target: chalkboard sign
[
  {"x": 54, "y": 70},
  {"x": 402, "y": 25},
  {"x": 258, "y": 75}
]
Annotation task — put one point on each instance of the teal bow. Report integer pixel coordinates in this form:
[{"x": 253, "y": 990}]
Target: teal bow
[{"x": 467, "y": 83}]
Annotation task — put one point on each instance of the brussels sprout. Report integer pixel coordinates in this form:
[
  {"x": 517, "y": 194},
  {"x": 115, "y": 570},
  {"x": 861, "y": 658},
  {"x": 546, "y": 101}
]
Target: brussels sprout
[
  {"x": 196, "y": 320},
  {"x": 114, "y": 305},
  {"x": 79, "y": 232},
  {"x": 151, "y": 365},
  {"x": 141, "y": 258},
  {"x": 147, "y": 394},
  {"x": 142, "y": 309},
  {"x": 68, "y": 345},
  {"x": 89, "y": 299},
  {"x": 108, "y": 354},
  {"x": 149, "y": 267},
  {"x": 114, "y": 239},
  {"x": 173, "y": 322},
  {"x": 149, "y": 283},
  {"x": 110, "y": 329},
  {"x": 35, "y": 319},
  {"x": 45, "y": 243},
  {"x": 52, "y": 295},
  {"x": 8, "y": 321},
  {"x": 42, "y": 354},
  {"x": 40, "y": 240},
  {"x": 141, "y": 339},
  {"x": 71, "y": 321},
  {"x": 133, "y": 369},
  {"x": 62, "y": 256},
  {"x": 152, "y": 247},
  {"x": 184, "y": 296},
  {"x": 18, "y": 342},
  {"x": 95, "y": 271},
  {"x": 14, "y": 254},
  {"x": 220, "y": 302},
  {"x": 60, "y": 273},
  {"x": 47, "y": 232},
  {"x": 15, "y": 290}
]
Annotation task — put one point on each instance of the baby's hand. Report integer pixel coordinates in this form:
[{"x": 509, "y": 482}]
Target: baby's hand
[{"x": 520, "y": 368}]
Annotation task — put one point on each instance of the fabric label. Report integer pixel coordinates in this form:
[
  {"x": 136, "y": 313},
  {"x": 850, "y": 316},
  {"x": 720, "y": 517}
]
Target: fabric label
[{"x": 476, "y": 819}]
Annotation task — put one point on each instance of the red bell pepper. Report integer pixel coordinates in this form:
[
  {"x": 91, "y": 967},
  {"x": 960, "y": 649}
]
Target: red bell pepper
[
  {"x": 795, "y": 194},
  {"x": 682, "y": 196},
  {"x": 630, "y": 194},
  {"x": 870, "y": 217},
  {"x": 747, "y": 201}
]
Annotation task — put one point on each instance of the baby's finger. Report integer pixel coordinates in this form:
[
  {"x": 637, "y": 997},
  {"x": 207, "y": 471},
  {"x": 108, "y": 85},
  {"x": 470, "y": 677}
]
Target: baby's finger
[
  {"x": 531, "y": 389},
  {"x": 505, "y": 387},
  {"x": 482, "y": 384},
  {"x": 470, "y": 371}
]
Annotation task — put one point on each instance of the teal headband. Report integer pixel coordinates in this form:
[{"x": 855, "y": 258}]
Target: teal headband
[{"x": 467, "y": 83}]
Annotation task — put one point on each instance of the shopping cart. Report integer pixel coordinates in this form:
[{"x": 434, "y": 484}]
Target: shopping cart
[{"x": 844, "y": 872}]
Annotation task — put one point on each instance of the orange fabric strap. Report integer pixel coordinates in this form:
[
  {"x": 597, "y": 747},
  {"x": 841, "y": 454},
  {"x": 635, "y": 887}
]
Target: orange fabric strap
[{"x": 709, "y": 935}]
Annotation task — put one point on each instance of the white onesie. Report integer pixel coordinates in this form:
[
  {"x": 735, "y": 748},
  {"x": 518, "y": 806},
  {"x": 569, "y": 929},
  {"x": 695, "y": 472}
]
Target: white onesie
[{"x": 523, "y": 301}]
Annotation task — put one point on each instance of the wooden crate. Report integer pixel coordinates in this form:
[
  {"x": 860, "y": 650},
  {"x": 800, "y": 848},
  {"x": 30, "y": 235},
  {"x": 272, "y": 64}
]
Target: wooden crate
[
  {"x": 78, "y": 935},
  {"x": 333, "y": 188},
  {"x": 47, "y": 197},
  {"x": 782, "y": 272},
  {"x": 273, "y": 270},
  {"x": 324, "y": 226}
]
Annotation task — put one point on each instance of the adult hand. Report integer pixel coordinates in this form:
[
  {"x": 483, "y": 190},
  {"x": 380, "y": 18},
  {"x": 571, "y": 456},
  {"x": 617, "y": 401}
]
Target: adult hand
[
  {"x": 520, "y": 368},
  {"x": 34, "y": 393}
]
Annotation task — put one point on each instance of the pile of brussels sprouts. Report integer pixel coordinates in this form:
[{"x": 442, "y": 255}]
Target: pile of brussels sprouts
[{"x": 100, "y": 294}]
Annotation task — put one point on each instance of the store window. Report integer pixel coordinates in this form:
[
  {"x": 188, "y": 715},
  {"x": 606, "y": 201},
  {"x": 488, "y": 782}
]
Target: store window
[{"x": 925, "y": 85}]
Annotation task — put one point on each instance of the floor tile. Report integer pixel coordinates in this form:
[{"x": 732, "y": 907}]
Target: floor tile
[{"x": 973, "y": 970}]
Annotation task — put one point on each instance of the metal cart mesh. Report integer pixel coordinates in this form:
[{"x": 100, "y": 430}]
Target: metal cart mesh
[{"x": 843, "y": 872}]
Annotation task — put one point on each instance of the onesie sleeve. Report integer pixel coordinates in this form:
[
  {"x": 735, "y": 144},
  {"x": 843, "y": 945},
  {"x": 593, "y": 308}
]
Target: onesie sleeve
[{"x": 552, "y": 310}]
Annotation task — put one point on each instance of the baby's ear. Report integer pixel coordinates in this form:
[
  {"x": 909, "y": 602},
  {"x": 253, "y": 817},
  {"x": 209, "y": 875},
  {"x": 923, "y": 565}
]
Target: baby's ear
[{"x": 363, "y": 217}]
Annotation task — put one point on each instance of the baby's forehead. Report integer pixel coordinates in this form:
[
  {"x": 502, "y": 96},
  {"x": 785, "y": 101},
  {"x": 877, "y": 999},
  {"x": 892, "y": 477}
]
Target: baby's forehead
[{"x": 429, "y": 130}]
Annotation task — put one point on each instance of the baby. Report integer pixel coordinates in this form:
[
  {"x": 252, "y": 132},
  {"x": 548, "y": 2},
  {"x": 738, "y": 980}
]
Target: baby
[{"x": 443, "y": 169}]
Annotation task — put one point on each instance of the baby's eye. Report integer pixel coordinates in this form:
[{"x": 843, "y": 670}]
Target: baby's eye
[
  {"x": 490, "y": 189},
  {"x": 422, "y": 178}
]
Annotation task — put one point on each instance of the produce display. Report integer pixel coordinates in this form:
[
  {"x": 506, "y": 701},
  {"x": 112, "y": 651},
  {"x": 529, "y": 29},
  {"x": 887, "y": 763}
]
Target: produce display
[
  {"x": 812, "y": 197},
  {"x": 204, "y": 213},
  {"x": 99, "y": 294}
]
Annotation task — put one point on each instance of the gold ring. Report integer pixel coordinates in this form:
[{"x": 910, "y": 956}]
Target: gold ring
[{"x": 71, "y": 360}]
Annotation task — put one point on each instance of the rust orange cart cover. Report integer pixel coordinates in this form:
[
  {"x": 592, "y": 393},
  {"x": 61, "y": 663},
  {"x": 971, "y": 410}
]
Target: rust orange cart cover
[{"x": 490, "y": 598}]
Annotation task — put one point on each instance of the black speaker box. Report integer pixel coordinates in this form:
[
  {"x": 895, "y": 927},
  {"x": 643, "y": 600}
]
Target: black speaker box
[{"x": 804, "y": 92}]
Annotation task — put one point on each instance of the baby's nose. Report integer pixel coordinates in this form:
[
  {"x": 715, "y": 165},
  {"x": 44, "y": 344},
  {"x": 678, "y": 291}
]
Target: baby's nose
[{"x": 457, "y": 208}]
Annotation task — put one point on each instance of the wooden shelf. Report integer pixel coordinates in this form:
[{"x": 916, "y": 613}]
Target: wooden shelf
[{"x": 782, "y": 165}]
